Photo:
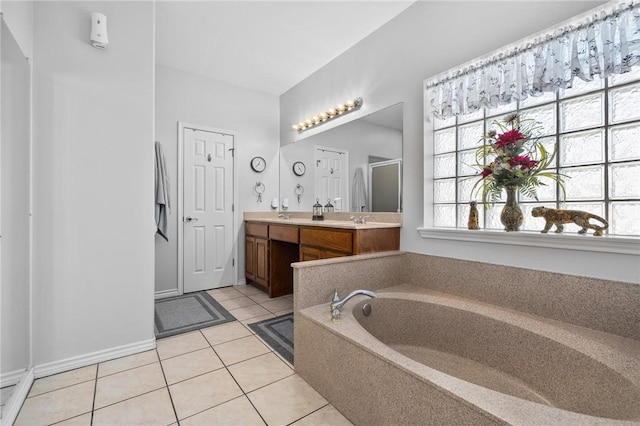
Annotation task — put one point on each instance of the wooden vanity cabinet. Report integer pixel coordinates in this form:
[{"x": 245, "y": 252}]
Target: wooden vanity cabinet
[
  {"x": 325, "y": 243},
  {"x": 270, "y": 249},
  {"x": 256, "y": 248}
]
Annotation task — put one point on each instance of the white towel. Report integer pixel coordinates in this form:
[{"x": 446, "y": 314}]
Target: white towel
[
  {"x": 358, "y": 192},
  {"x": 163, "y": 206}
]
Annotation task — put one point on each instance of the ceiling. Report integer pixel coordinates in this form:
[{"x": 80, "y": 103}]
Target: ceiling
[{"x": 268, "y": 46}]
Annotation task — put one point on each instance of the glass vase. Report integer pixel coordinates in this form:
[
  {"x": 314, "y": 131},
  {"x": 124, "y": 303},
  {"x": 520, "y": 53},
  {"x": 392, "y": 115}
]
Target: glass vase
[{"x": 511, "y": 216}]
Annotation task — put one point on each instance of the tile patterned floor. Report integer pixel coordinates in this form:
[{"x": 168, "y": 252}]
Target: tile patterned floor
[{"x": 222, "y": 375}]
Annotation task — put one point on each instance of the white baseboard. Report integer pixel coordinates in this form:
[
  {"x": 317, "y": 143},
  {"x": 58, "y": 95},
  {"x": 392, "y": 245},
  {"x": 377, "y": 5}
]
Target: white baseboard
[
  {"x": 12, "y": 377},
  {"x": 166, "y": 293},
  {"x": 242, "y": 282},
  {"x": 20, "y": 392},
  {"x": 55, "y": 367}
]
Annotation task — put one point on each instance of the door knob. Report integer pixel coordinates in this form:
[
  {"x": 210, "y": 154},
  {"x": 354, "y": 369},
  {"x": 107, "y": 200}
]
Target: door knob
[{"x": 189, "y": 219}]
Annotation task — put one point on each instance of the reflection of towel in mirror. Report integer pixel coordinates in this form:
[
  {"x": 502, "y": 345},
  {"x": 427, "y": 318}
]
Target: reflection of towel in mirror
[
  {"x": 358, "y": 192},
  {"x": 162, "y": 192}
]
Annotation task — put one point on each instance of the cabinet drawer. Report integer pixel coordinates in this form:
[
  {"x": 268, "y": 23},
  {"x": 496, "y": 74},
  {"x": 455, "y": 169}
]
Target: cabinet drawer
[
  {"x": 257, "y": 229},
  {"x": 341, "y": 240},
  {"x": 288, "y": 234}
]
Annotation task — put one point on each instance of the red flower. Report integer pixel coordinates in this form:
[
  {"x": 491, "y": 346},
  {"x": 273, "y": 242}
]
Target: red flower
[
  {"x": 523, "y": 161},
  {"x": 509, "y": 138},
  {"x": 486, "y": 172}
]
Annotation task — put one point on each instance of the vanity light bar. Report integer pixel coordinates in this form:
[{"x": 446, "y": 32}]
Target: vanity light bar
[{"x": 336, "y": 111}]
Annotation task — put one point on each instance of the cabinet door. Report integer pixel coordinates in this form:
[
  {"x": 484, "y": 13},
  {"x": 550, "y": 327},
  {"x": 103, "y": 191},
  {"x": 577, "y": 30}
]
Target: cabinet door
[
  {"x": 315, "y": 253},
  {"x": 309, "y": 253},
  {"x": 250, "y": 258},
  {"x": 262, "y": 261}
]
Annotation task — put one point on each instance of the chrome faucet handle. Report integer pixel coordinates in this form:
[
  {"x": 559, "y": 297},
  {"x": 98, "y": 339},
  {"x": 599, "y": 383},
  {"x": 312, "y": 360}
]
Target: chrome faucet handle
[
  {"x": 335, "y": 311},
  {"x": 363, "y": 220}
]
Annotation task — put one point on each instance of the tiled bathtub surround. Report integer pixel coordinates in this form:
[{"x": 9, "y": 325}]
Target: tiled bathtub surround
[
  {"x": 584, "y": 370},
  {"x": 610, "y": 306}
]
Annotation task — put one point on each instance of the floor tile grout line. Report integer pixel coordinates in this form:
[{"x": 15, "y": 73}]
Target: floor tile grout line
[
  {"x": 95, "y": 392},
  {"x": 242, "y": 390},
  {"x": 217, "y": 405},
  {"x": 256, "y": 409},
  {"x": 166, "y": 383},
  {"x": 129, "y": 369},
  {"x": 129, "y": 398},
  {"x": 197, "y": 375},
  {"x": 186, "y": 353},
  {"x": 199, "y": 349},
  {"x": 269, "y": 384},
  {"x": 245, "y": 394},
  {"x": 57, "y": 389},
  {"x": 307, "y": 415},
  {"x": 248, "y": 359}
]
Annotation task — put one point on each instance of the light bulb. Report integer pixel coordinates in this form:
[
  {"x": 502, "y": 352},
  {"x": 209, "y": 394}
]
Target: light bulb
[
  {"x": 332, "y": 112},
  {"x": 351, "y": 103}
]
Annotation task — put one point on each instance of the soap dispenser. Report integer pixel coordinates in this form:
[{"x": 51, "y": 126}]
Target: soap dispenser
[
  {"x": 317, "y": 211},
  {"x": 328, "y": 208}
]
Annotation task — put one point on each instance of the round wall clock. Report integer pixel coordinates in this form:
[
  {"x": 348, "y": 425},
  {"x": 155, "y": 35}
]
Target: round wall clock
[
  {"x": 299, "y": 168},
  {"x": 258, "y": 164}
]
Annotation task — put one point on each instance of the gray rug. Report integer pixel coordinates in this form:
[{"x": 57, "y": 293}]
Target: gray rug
[
  {"x": 192, "y": 311},
  {"x": 278, "y": 333}
]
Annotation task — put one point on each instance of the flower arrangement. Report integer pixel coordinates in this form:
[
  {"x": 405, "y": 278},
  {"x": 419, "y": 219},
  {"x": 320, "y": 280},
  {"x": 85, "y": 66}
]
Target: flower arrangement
[{"x": 518, "y": 159}]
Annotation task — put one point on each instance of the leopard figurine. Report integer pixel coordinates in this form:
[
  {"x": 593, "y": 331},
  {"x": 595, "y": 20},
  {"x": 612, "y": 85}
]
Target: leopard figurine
[{"x": 559, "y": 217}]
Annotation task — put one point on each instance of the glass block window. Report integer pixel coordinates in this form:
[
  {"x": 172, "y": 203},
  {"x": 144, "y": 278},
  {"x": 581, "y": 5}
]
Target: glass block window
[{"x": 596, "y": 126}]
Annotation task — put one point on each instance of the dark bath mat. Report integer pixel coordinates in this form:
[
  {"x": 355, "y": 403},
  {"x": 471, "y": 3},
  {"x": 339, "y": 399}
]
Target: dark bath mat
[
  {"x": 192, "y": 311},
  {"x": 278, "y": 333}
]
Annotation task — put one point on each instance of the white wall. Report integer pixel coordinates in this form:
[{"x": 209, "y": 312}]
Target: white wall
[
  {"x": 18, "y": 14},
  {"x": 15, "y": 230},
  {"x": 390, "y": 65},
  {"x": 93, "y": 219},
  {"x": 194, "y": 99}
]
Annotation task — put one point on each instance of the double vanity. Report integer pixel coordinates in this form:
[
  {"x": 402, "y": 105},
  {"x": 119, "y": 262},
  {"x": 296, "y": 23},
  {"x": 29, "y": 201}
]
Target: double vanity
[{"x": 273, "y": 243}]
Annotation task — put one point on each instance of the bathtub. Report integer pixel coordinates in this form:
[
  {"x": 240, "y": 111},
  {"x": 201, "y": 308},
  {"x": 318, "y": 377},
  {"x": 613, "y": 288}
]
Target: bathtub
[{"x": 424, "y": 357}]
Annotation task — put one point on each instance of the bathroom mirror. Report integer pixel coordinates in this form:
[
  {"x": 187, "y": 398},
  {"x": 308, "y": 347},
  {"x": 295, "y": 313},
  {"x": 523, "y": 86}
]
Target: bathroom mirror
[
  {"x": 357, "y": 166},
  {"x": 15, "y": 356}
]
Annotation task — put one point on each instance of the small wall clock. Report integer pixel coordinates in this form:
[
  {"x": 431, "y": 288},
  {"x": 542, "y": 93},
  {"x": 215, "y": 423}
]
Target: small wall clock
[
  {"x": 299, "y": 168},
  {"x": 258, "y": 164}
]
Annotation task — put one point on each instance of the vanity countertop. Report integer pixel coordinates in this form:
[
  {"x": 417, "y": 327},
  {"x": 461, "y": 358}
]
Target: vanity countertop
[
  {"x": 345, "y": 224},
  {"x": 331, "y": 220}
]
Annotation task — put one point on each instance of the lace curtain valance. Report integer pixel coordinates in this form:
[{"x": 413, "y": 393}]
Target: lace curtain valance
[{"x": 606, "y": 44}]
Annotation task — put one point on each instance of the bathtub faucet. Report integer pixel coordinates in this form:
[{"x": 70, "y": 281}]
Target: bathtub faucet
[{"x": 337, "y": 304}]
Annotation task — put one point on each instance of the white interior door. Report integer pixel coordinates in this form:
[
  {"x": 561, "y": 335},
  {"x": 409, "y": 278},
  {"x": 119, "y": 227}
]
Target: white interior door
[
  {"x": 207, "y": 210},
  {"x": 332, "y": 177}
]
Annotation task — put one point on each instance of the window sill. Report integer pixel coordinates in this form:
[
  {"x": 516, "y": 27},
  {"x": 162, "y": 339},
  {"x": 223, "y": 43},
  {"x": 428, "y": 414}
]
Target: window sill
[{"x": 605, "y": 244}]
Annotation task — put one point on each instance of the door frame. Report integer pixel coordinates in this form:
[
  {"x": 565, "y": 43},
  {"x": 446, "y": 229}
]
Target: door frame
[
  {"x": 397, "y": 161},
  {"x": 181, "y": 128}
]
